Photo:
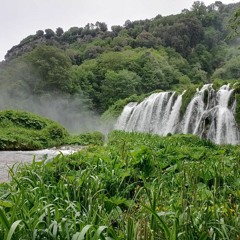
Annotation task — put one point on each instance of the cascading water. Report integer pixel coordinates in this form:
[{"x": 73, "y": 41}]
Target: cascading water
[
  {"x": 159, "y": 114},
  {"x": 218, "y": 123},
  {"x": 195, "y": 110},
  {"x": 171, "y": 125},
  {"x": 123, "y": 119},
  {"x": 210, "y": 115},
  {"x": 144, "y": 115}
]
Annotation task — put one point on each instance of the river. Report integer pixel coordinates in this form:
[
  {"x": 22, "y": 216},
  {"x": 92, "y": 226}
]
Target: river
[{"x": 9, "y": 158}]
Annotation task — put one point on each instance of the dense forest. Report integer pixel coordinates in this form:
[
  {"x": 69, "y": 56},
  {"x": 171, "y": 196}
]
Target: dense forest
[{"x": 92, "y": 67}]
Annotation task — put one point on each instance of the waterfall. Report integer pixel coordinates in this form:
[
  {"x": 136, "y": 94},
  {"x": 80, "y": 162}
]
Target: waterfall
[
  {"x": 123, "y": 119},
  {"x": 159, "y": 114},
  {"x": 196, "y": 109},
  {"x": 209, "y": 114},
  {"x": 218, "y": 123},
  {"x": 171, "y": 125}
]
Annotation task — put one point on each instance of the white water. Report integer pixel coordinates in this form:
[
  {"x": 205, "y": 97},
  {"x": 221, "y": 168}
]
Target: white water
[
  {"x": 8, "y": 159},
  {"x": 159, "y": 113},
  {"x": 171, "y": 125},
  {"x": 210, "y": 115},
  {"x": 223, "y": 128},
  {"x": 195, "y": 110},
  {"x": 122, "y": 121}
]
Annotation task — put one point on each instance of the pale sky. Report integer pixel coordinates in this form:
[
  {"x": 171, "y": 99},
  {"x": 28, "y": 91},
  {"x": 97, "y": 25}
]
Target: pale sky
[{"x": 21, "y": 18}]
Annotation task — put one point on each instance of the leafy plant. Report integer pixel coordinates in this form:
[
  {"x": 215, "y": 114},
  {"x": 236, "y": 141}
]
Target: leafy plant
[{"x": 137, "y": 186}]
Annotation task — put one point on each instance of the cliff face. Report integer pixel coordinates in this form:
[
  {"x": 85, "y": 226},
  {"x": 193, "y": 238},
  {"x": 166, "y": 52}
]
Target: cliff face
[{"x": 28, "y": 45}]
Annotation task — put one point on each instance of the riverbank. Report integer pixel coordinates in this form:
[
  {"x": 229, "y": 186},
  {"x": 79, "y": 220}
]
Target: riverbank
[{"x": 8, "y": 159}]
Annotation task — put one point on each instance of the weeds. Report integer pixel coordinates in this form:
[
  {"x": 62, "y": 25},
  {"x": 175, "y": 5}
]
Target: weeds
[{"x": 136, "y": 187}]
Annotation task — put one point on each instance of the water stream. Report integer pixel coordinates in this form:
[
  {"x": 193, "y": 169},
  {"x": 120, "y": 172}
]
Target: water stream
[
  {"x": 9, "y": 159},
  {"x": 210, "y": 114}
]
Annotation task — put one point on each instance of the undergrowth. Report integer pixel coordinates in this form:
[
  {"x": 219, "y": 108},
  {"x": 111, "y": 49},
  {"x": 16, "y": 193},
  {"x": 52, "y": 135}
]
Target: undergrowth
[
  {"x": 21, "y": 130},
  {"x": 138, "y": 186}
]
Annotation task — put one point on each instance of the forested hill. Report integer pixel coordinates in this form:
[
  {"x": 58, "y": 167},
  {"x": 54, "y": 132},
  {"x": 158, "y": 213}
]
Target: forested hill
[{"x": 102, "y": 66}]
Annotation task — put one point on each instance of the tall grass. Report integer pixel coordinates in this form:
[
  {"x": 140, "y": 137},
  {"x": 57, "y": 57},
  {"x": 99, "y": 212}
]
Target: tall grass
[{"x": 137, "y": 187}]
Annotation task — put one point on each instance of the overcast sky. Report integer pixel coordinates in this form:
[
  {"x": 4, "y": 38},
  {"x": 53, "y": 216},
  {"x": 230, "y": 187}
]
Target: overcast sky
[{"x": 20, "y": 18}]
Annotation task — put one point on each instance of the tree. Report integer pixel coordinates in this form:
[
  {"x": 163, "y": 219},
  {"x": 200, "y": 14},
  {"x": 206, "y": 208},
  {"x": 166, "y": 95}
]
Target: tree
[
  {"x": 235, "y": 23},
  {"x": 146, "y": 39},
  {"x": 231, "y": 69},
  {"x": 116, "y": 29},
  {"x": 199, "y": 9},
  {"x": 118, "y": 85},
  {"x": 51, "y": 69},
  {"x": 59, "y": 32},
  {"x": 203, "y": 57},
  {"x": 101, "y": 26},
  {"x": 128, "y": 24},
  {"x": 92, "y": 51},
  {"x": 40, "y": 33},
  {"x": 183, "y": 35},
  {"x": 49, "y": 33}
]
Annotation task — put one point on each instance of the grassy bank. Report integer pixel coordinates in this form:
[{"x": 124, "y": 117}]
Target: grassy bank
[
  {"x": 21, "y": 130},
  {"x": 138, "y": 186}
]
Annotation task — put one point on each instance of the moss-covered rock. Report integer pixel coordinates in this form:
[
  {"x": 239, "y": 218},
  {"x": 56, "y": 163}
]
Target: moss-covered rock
[
  {"x": 186, "y": 98},
  {"x": 237, "y": 114}
]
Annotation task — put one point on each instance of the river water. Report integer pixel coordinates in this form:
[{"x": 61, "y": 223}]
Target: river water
[{"x": 9, "y": 158}]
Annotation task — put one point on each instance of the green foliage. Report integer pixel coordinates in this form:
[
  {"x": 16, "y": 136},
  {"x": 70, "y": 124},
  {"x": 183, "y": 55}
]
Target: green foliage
[
  {"x": 26, "y": 131},
  {"x": 167, "y": 53},
  {"x": 22, "y": 119},
  {"x": 49, "y": 33},
  {"x": 115, "y": 110},
  {"x": 217, "y": 83},
  {"x": 187, "y": 97},
  {"x": 51, "y": 66},
  {"x": 28, "y": 39},
  {"x": 237, "y": 116},
  {"x": 230, "y": 70},
  {"x": 234, "y": 23},
  {"x": 59, "y": 32},
  {"x": 138, "y": 186},
  {"x": 117, "y": 75},
  {"x": 85, "y": 139},
  {"x": 119, "y": 85}
]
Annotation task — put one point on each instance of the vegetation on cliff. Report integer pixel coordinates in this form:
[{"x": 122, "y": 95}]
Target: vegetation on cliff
[{"x": 103, "y": 66}]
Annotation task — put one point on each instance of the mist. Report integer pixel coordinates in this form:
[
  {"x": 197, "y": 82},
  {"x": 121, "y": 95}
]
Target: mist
[{"x": 73, "y": 112}]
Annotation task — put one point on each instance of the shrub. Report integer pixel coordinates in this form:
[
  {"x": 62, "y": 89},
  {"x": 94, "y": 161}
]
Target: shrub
[{"x": 27, "y": 131}]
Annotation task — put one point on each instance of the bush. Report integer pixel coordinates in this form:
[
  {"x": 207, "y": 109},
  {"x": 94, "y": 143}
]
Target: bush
[
  {"x": 27, "y": 131},
  {"x": 94, "y": 138}
]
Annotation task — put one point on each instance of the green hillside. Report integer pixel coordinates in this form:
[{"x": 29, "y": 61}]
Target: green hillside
[{"x": 102, "y": 66}]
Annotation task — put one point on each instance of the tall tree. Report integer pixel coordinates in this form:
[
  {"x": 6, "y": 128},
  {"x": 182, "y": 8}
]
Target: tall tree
[
  {"x": 235, "y": 23},
  {"x": 59, "y": 31},
  {"x": 49, "y": 33},
  {"x": 51, "y": 68}
]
